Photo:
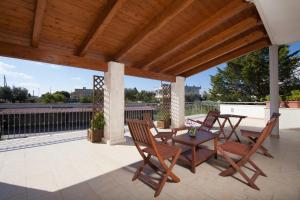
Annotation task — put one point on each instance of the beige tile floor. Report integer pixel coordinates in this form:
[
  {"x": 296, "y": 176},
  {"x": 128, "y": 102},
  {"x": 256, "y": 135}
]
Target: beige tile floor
[{"x": 76, "y": 169}]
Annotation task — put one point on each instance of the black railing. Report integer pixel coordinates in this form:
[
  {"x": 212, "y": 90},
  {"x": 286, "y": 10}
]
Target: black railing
[{"x": 23, "y": 120}]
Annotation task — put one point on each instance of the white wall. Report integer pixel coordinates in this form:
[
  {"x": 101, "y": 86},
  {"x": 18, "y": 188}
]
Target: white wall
[
  {"x": 253, "y": 111},
  {"x": 290, "y": 117}
]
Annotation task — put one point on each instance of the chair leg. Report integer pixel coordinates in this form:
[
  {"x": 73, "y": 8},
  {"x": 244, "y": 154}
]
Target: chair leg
[
  {"x": 237, "y": 167},
  {"x": 141, "y": 168},
  {"x": 262, "y": 148},
  {"x": 265, "y": 152},
  {"x": 161, "y": 185},
  {"x": 257, "y": 168}
]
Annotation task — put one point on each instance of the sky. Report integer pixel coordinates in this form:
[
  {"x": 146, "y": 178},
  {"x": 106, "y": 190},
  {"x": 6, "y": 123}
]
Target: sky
[{"x": 42, "y": 77}]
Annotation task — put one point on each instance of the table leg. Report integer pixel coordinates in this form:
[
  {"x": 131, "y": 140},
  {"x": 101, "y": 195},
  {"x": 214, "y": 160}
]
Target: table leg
[
  {"x": 215, "y": 147},
  {"x": 233, "y": 130},
  {"x": 222, "y": 128},
  {"x": 194, "y": 159}
]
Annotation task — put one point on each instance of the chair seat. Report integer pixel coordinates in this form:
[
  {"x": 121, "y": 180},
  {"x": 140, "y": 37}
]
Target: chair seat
[
  {"x": 235, "y": 148},
  {"x": 247, "y": 133},
  {"x": 166, "y": 151},
  {"x": 166, "y": 135}
]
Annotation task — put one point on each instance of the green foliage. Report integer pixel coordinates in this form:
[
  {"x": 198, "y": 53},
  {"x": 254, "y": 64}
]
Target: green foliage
[
  {"x": 295, "y": 96},
  {"x": 247, "y": 78},
  {"x": 19, "y": 94},
  {"x": 193, "y": 97},
  {"x": 15, "y": 94},
  {"x": 47, "y": 98},
  {"x": 98, "y": 121},
  {"x": 65, "y": 93},
  {"x": 133, "y": 95},
  {"x": 57, "y": 97},
  {"x": 6, "y": 94},
  {"x": 85, "y": 100}
]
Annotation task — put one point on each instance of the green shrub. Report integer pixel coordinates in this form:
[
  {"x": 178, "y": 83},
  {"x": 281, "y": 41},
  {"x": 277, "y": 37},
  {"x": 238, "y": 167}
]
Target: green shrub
[
  {"x": 295, "y": 95},
  {"x": 98, "y": 121}
]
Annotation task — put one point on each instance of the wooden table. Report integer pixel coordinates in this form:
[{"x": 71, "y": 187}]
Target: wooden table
[
  {"x": 196, "y": 155},
  {"x": 226, "y": 118}
]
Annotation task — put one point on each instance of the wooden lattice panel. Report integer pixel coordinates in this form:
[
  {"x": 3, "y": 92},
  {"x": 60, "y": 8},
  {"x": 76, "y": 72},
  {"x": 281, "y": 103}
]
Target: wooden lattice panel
[
  {"x": 166, "y": 100},
  {"x": 98, "y": 93}
]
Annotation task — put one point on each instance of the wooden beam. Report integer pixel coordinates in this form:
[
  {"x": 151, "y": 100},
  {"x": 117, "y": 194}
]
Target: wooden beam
[
  {"x": 159, "y": 21},
  {"x": 104, "y": 18},
  {"x": 38, "y": 21},
  {"x": 230, "y": 56},
  {"x": 210, "y": 43},
  {"x": 215, "y": 20},
  {"x": 148, "y": 74},
  {"x": 50, "y": 56},
  {"x": 214, "y": 53},
  {"x": 54, "y": 57}
]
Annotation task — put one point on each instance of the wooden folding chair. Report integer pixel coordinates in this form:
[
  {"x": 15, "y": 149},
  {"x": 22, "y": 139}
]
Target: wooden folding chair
[
  {"x": 245, "y": 152},
  {"x": 148, "y": 147},
  {"x": 208, "y": 122},
  {"x": 164, "y": 136},
  {"x": 252, "y": 136}
]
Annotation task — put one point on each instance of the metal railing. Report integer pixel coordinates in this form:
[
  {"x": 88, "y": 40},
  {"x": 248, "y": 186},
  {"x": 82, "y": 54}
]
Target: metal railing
[
  {"x": 194, "y": 108},
  {"x": 24, "y": 122},
  {"x": 31, "y": 120}
]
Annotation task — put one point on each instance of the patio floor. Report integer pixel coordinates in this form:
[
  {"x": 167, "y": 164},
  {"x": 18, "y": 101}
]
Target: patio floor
[{"x": 66, "y": 166}]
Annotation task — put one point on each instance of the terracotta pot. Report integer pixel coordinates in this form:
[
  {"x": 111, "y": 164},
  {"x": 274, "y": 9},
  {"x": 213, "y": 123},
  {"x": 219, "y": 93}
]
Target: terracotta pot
[
  {"x": 95, "y": 136},
  {"x": 282, "y": 104},
  {"x": 286, "y": 104},
  {"x": 293, "y": 104},
  {"x": 164, "y": 123}
]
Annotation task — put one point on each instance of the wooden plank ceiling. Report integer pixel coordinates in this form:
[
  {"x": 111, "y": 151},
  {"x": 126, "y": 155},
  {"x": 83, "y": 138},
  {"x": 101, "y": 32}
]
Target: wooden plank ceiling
[{"x": 158, "y": 39}]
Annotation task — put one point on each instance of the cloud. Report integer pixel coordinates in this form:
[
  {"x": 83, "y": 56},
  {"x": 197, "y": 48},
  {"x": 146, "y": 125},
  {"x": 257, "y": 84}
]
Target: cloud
[{"x": 9, "y": 71}]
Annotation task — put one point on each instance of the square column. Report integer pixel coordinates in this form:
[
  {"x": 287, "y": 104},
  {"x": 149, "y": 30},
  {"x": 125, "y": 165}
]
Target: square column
[
  {"x": 114, "y": 104},
  {"x": 274, "y": 86},
  {"x": 178, "y": 103}
]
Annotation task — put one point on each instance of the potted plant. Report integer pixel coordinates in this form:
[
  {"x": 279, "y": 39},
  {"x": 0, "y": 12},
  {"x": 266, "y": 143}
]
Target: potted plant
[
  {"x": 282, "y": 104},
  {"x": 293, "y": 101},
  {"x": 96, "y": 132},
  {"x": 164, "y": 120}
]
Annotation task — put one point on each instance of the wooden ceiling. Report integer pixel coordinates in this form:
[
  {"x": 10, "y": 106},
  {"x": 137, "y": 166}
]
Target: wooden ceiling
[{"x": 158, "y": 39}]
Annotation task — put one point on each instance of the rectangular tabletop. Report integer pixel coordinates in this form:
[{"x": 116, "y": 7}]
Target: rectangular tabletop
[
  {"x": 201, "y": 137},
  {"x": 231, "y": 115},
  {"x": 196, "y": 155}
]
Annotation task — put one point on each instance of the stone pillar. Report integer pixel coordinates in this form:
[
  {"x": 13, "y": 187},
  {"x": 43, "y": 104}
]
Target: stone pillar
[
  {"x": 114, "y": 103},
  {"x": 274, "y": 86},
  {"x": 178, "y": 103}
]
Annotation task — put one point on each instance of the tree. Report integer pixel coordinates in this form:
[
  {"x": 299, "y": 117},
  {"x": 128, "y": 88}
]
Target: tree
[
  {"x": 6, "y": 94},
  {"x": 19, "y": 94},
  {"x": 247, "y": 78},
  {"x": 66, "y": 94},
  {"x": 85, "y": 100},
  {"x": 59, "y": 97},
  {"x": 47, "y": 98}
]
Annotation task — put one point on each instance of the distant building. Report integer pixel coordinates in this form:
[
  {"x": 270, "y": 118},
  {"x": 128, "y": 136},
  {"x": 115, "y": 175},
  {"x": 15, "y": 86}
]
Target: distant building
[{"x": 79, "y": 93}]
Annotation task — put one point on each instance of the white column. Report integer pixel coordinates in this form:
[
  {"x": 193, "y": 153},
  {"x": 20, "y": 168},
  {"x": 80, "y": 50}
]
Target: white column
[
  {"x": 114, "y": 104},
  {"x": 177, "y": 102},
  {"x": 274, "y": 86}
]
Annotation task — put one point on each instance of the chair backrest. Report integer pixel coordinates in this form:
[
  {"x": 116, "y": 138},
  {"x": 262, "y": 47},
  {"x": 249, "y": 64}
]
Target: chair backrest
[
  {"x": 147, "y": 117},
  {"x": 210, "y": 120},
  {"x": 265, "y": 132},
  {"x": 141, "y": 134}
]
